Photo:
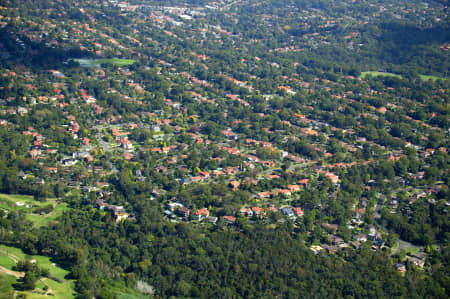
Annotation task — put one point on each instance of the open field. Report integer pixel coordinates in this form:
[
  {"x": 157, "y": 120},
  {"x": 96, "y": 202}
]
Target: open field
[
  {"x": 6, "y": 289},
  {"x": 9, "y": 256},
  {"x": 410, "y": 250},
  {"x": 28, "y": 204},
  {"x": 97, "y": 62},
  {"x": 428, "y": 77},
  {"x": 120, "y": 295},
  {"x": 376, "y": 74}
]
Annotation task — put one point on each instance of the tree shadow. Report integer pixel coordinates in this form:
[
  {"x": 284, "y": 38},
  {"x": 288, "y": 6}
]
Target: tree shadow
[
  {"x": 405, "y": 44},
  {"x": 17, "y": 49}
]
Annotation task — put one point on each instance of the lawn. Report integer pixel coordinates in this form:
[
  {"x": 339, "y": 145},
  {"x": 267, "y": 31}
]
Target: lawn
[
  {"x": 410, "y": 250},
  {"x": 97, "y": 62},
  {"x": 120, "y": 295},
  {"x": 60, "y": 290},
  {"x": 376, "y": 74},
  {"x": 6, "y": 289},
  {"x": 6, "y": 261},
  {"x": 428, "y": 77},
  {"x": 27, "y": 204}
]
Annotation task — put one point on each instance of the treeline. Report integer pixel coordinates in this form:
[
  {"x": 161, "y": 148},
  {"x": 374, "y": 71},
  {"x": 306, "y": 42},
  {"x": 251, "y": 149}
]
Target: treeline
[{"x": 183, "y": 261}]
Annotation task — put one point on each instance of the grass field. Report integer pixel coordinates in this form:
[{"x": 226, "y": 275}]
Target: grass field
[
  {"x": 410, "y": 250},
  {"x": 120, "y": 295},
  {"x": 376, "y": 74},
  {"x": 8, "y": 256},
  {"x": 427, "y": 77},
  {"x": 6, "y": 289},
  {"x": 98, "y": 62},
  {"x": 27, "y": 204}
]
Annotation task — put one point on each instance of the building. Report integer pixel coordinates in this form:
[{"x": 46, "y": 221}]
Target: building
[
  {"x": 229, "y": 219},
  {"x": 234, "y": 185},
  {"x": 298, "y": 211},
  {"x": 258, "y": 212},
  {"x": 202, "y": 213},
  {"x": 211, "y": 219},
  {"x": 287, "y": 212},
  {"x": 183, "y": 212},
  {"x": 246, "y": 212}
]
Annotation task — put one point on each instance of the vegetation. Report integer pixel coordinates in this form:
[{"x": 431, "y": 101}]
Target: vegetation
[
  {"x": 38, "y": 212},
  {"x": 176, "y": 149},
  {"x": 42, "y": 276},
  {"x": 98, "y": 62}
]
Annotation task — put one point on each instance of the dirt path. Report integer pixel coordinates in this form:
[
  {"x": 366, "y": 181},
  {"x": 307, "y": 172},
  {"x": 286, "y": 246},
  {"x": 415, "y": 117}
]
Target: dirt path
[{"x": 12, "y": 273}]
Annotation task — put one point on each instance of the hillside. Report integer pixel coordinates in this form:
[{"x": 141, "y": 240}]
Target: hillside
[{"x": 262, "y": 149}]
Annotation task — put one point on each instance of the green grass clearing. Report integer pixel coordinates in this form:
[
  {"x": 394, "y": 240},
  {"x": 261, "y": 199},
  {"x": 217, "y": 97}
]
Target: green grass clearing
[
  {"x": 97, "y": 62},
  {"x": 6, "y": 286},
  {"x": 428, "y": 77},
  {"x": 6, "y": 261},
  {"x": 376, "y": 74},
  {"x": 120, "y": 295},
  {"x": 410, "y": 250},
  {"x": 395, "y": 247},
  {"x": 59, "y": 290},
  {"x": 28, "y": 204}
]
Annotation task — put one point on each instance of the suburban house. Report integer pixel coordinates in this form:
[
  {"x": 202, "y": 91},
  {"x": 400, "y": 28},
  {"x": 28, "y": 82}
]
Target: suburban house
[
  {"x": 229, "y": 219},
  {"x": 246, "y": 212},
  {"x": 234, "y": 185},
  {"x": 287, "y": 212},
  {"x": 258, "y": 212},
  {"x": 183, "y": 212},
  {"x": 211, "y": 219},
  {"x": 202, "y": 213},
  {"x": 298, "y": 211}
]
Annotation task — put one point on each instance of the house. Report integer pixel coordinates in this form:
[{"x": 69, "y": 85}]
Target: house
[
  {"x": 265, "y": 194},
  {"x": 333, "y": 178},
  {"x": 119, "y": 212},
  {"x": 316, "y": 248},
  {"x": 200, "y": 214},
  {"x": 331, "y": 227},
  {"x": 330, "y": 248},
  {"x": 246, "y": 212},
  {"x": 258, "y": 212},
  {"x": 122, "y": 215},
  {"x": 298, "y": 211},
  {"x": 360, "y": 237},
  {"x": 69, "y": 162},
  {"x": 234, "y": 185},
  {"x": 285, "y": 192},
  {"x": 335, "y": 240},
  {"x": 418, "y": 261},
  {"x": 204, "y": 174},
  {"x": 287, "y": 212},
  {"x": 211, "y": 219},
  {"x": 400, "y": 267},
  {"x": 272, "y": 209},
  {"x": 173, "y": 205},
  {"x": 100, "y": 204},
  {"x": 294, "y": 188},
  {"x": 126, "y": 144},
  {"x": 229, "y": 219},
  {"x": 183, "y": 212}
]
